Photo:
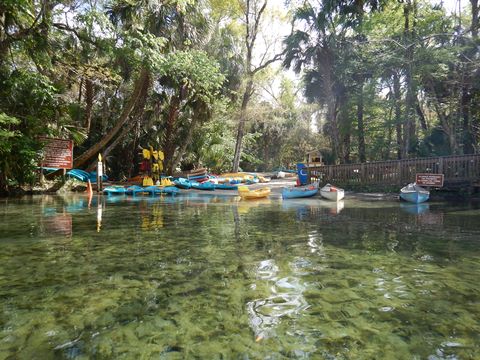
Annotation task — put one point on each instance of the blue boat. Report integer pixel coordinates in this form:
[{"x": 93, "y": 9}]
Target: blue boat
[
  {"x": 172, "y": 190},
  {"x": 157, "y": 190},
  {"x": 134, "y": 190},
  {"x": 225, "y": 187},
  {"x": 115, "y": 190},
  {"x": 183, "y": 183},
  {"x": 300, "y": 191},
  {"x": 414, "y": 194},
  {"x": 203, "y": 186}
]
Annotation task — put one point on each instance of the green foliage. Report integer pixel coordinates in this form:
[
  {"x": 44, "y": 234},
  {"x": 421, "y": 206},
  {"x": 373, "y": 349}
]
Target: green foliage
[{"x": 18, "y": 154}]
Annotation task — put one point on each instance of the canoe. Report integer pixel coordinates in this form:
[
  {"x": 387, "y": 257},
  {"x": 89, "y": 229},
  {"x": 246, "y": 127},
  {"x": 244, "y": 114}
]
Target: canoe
[
  {"x": 203, "y": 186},
  {"x": 414, "y": 194},
  {"x": 183, "y": 183},
  {"x": 300, "y": 191},
  {"x": 247, "y": 194},
  {"x": 225, "y": 187},
  {"x": 333, "y": 193},
  {"x": 115, "y": 190}
]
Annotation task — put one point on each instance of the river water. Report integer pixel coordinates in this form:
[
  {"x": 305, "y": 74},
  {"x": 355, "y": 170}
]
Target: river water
[{"x": 211, "y": 277}]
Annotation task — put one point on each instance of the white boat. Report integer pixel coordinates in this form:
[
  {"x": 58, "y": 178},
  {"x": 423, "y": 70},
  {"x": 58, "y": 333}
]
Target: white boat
[{"x": 332, "y": 193}]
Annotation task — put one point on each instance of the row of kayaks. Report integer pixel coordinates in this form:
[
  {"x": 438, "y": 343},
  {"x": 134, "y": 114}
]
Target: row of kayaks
[
  {"x": 177, "y": 184},
  {"x": 136, "y": 190}
]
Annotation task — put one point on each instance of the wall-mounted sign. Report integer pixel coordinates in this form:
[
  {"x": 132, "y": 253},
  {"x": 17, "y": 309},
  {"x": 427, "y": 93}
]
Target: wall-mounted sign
[
  {"x": 435, "y": 180},
  {"x": 57, "y": 153}
]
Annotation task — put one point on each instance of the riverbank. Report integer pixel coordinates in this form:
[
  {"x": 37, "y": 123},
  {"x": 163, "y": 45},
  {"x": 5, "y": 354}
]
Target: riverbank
[{"x": 276, "y": 186}]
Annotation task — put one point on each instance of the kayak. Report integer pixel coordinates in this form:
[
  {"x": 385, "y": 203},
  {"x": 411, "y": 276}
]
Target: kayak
[
  {"x": 183, "y": 183},
  {"x": 115, "y": 190},
  {"x": 225, "y": 187},
  {"x": 300, "y": 191},
  {"x": 247, "y": 194},
  {"x": 156, "y": 190},
  {"x": 203, "y": 186},
  {"x": 134, "y": 190}
]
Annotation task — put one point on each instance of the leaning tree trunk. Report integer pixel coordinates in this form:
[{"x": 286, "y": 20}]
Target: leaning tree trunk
[
  {"x": 241, "y": 124},
  {"x": 124, "y": 116}
]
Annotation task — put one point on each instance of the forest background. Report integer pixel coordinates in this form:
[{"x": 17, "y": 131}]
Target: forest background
[{"x": 236, "y": 84}]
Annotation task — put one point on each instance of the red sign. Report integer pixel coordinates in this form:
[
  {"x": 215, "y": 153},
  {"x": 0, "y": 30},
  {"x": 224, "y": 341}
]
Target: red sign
[
  {"x": 57, "y": 153},
  {"x": 435, "y": 180}
]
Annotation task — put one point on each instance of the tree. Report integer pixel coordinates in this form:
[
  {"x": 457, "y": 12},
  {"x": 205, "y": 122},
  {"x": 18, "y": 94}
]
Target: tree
[{"x": 253, "y": 12}]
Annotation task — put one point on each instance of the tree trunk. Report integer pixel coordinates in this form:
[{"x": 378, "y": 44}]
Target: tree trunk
[
  {"x": 124, "y": 116},
  {"x": 474, "y": 26},
  {"x": 241, "y": 124},
  {"x": 398, "y": 114},
  {"x": 169, "y": 145},
  {"x": 409, "y": 126},
  {"x": 186, "y": 141},
  {"x": 88, "y": 104},
  {"x": 361, "y": 127},
  {"x": 421, "y": 115}
]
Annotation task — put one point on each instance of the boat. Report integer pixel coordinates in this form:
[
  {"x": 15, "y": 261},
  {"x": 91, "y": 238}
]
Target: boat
[
  {"x": 331, "y": 192},
  {"x": 203, "y": 186},
  {"x": 414, "y": 193},
  {"x": 183, "y": 183},
  {"x": 172, "y": 190},
  {"x": 300, "y": 191},
  {"x": 225, "y": 186},
  {"x": 134, "y": 190},
  {"x": 247, "y": 194},
  {"x": 115, "y": 190},
  {"x": 157, "y": 190}
]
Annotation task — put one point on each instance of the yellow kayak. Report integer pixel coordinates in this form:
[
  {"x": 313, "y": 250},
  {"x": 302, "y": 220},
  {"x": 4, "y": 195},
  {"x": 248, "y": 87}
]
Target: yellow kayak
[{"x": 247, "y": 194}]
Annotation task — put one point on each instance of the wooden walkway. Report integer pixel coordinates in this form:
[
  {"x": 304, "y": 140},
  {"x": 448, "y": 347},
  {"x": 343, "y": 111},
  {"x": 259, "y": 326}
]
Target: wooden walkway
[{"x": 459, "y": 170}]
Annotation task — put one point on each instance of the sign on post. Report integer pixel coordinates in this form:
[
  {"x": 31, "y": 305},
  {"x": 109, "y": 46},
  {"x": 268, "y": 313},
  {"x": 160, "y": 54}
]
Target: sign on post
[
  {"x": 57, "y": 153},
  {"x": 435, "y": 180}
]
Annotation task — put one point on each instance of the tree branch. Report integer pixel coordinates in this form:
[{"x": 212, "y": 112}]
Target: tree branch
[{"x": 65, "y": 27}]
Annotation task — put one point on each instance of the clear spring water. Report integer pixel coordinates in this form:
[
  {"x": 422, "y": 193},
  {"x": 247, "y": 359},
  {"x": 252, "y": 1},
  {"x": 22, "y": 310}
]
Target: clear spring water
[{"x": 210, "y": 277}]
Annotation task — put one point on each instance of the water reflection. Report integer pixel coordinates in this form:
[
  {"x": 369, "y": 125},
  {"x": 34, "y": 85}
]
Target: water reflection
[
  {"x": 284, "y": 299},
  {"x": 415, "y": 209},
  {"x": 206, "y": 275}
]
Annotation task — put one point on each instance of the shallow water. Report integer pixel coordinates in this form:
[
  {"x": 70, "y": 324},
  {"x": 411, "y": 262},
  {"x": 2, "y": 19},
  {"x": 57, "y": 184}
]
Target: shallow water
[{"x": 210, "y": 277}]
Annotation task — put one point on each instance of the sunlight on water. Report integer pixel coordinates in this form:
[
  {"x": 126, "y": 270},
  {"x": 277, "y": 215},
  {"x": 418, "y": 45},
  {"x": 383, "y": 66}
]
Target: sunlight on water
[{"x": 206, "y": 276}]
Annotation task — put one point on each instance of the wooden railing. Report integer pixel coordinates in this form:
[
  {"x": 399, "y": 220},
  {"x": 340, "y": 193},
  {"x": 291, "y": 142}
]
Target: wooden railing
[{"x": 456, "y": 168}]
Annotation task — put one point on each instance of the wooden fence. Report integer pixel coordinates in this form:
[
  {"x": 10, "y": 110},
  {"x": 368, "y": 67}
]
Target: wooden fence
[{"x": 458, "y": 169}]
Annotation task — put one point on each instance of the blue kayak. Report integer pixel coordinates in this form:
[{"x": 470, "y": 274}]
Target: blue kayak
[
  {"x": 134, "y": 190},
  {"x": 156, "y": 190},
  {"x": 183, "y": 183},
  {"x": 115, "y": 190},
  {"x": 225, "y": 187},
  {"x": 203, "y": 186},
  {"x": 299, "y": 191},
  {"x": 170, "y": 190}
]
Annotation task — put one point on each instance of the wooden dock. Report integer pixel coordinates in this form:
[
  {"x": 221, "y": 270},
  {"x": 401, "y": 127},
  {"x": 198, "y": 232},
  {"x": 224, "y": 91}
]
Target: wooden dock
[{"x": 459, "y": 171}]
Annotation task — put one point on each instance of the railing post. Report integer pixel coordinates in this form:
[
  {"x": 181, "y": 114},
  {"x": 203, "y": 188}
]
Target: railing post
[{"x": 440, "y": 165}]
